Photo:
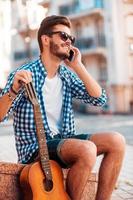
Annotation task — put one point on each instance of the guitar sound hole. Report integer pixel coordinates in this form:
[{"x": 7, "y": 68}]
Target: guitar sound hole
[{"x": 48, "y": 184}]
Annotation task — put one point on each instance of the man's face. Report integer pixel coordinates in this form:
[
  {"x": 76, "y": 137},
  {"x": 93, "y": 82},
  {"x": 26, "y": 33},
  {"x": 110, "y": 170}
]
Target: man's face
[{"x": 57, "y": 45}]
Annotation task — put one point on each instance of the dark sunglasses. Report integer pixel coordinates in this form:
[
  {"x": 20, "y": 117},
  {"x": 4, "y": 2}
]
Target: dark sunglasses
[{"x": 64, "y": 36}]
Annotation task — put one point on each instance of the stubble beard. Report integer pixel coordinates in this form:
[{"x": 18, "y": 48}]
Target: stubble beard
[{"x": 54, "y": 49}]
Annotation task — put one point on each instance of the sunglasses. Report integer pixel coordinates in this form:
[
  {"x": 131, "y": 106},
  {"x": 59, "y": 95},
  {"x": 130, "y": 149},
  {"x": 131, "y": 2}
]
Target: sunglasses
[{"x": 64, "y": 36}]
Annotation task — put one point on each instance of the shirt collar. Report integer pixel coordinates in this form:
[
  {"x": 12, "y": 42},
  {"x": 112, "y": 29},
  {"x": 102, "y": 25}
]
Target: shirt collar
[{"x": 43, "y": 71}]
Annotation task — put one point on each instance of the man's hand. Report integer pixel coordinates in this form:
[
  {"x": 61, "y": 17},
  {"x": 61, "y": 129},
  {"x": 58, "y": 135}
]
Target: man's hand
[
  {"x": 76, "y": 61},
  {"x": 22, "y": 76},
  {"x": 92, "y": 87}
]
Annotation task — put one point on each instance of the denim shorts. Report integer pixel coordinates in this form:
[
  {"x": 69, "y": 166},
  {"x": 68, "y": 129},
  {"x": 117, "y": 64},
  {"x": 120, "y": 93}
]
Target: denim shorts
[{"x": 54, "y": 148}]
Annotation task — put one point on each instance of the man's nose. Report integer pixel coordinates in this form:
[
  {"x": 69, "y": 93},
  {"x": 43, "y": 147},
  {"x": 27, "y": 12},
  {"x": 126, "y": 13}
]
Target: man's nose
[{"x": 68, "y": 42}]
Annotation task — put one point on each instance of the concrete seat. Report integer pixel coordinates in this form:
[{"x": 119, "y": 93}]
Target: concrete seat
[{"x": 10, "y": 187}]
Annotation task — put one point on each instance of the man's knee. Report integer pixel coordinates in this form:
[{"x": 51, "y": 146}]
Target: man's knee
[
  {"x": 117, "y": 142},
  {"x": 87, "y": 154}
]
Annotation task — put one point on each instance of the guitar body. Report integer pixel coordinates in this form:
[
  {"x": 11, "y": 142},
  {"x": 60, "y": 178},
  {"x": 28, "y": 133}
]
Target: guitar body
[
  {"x": 32, "y": 178},
  {"x": 24, "y": 182}
]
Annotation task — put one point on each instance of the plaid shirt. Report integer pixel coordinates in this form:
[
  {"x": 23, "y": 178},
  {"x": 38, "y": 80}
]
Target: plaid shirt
[{"x": 24, "y": 126}]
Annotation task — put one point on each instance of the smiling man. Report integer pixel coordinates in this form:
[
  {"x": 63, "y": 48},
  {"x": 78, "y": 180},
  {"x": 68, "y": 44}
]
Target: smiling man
[{"x": 56, "y": 86}]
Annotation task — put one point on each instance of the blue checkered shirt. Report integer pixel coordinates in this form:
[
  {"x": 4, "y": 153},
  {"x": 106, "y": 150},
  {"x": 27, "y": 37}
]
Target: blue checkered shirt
[{"x": 24, "y": 125}]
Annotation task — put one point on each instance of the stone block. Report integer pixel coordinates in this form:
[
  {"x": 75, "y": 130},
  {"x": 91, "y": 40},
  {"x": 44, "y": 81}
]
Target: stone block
[{"x": 9, "y": 181}]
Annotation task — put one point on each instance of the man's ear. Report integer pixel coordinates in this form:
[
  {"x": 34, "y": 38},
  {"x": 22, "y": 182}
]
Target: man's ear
[{"x": 45, "y": 40}]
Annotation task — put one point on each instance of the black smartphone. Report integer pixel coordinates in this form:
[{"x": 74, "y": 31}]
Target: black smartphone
[{"x": 71, "y": 55}]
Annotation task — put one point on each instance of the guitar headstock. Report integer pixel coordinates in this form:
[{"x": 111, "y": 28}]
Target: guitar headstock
[{"x": 31, "y": 93}]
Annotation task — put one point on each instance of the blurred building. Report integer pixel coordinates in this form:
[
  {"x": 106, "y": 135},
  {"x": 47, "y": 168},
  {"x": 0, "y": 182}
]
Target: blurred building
[
  {"x": 19, "y": 20},
  {"x": 104, "y": 35},
  {"x": 26, "y": 16},
  {"x": 119, "y": 40},
  {"x": 5, "y": 41}
]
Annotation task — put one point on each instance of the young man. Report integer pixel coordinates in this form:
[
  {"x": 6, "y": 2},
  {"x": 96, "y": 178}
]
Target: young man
[{"x": 56, "y": 85}]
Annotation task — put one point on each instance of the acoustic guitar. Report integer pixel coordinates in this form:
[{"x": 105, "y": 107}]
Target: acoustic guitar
[{"x": 41, "y": 180}]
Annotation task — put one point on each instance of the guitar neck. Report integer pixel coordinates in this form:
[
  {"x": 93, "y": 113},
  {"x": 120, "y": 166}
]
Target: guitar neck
[{"x": 43, "y": 149}]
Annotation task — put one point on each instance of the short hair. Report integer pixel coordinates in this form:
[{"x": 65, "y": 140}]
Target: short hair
[{"x": 48, "y": 24}]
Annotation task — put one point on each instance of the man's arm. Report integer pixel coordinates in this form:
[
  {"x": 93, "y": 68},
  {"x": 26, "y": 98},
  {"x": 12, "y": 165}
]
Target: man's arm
[
  {"x": 22, "y": 76},
  {"x": 92, "y": 87},
  {"x": 5, "y": 103}
]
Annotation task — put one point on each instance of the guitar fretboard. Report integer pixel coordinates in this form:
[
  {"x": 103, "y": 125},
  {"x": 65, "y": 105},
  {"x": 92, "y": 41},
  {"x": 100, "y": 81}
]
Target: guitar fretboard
[{"x": 43, "y": 149}]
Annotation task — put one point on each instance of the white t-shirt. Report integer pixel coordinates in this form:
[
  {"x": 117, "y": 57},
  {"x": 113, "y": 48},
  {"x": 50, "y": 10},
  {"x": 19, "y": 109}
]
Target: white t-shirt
[{"x": 52, "y": 93}]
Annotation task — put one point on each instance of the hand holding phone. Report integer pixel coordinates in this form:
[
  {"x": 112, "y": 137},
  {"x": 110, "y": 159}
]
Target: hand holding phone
[
  {"x": 71, "y": 55},
  {"x": 74, "y": 58}
]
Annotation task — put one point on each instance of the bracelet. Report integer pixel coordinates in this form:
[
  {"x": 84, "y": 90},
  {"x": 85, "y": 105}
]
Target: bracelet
[
  {"x": 10, "y": 96},
  {"x": 13, "y": 91}
]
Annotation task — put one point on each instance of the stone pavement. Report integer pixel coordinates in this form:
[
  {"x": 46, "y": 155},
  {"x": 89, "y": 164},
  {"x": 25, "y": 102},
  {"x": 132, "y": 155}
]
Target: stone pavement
[{"x": 124, "y": 187}]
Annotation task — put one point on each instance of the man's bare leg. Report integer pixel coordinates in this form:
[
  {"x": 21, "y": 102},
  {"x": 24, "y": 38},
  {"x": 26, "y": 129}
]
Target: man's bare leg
[
  {"x": 82, "y": 156},
  {"x": 113, "y": 148}
]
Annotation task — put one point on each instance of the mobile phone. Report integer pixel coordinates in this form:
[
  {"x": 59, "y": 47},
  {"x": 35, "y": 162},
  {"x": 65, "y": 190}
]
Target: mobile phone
[{"x": 71, "y": 55}]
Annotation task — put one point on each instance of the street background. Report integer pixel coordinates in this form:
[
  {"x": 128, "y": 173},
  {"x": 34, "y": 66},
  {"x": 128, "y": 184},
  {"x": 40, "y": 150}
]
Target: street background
[{"x": 104, "y": 35}]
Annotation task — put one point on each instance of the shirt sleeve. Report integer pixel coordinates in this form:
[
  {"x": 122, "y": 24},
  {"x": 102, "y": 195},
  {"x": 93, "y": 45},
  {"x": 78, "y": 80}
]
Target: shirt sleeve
[
  {"x": 79, "y": 92},
  {"x": 17, "y": 99}
]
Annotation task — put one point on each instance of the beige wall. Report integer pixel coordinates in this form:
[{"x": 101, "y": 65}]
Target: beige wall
[{"x": 120, "y": 64}]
